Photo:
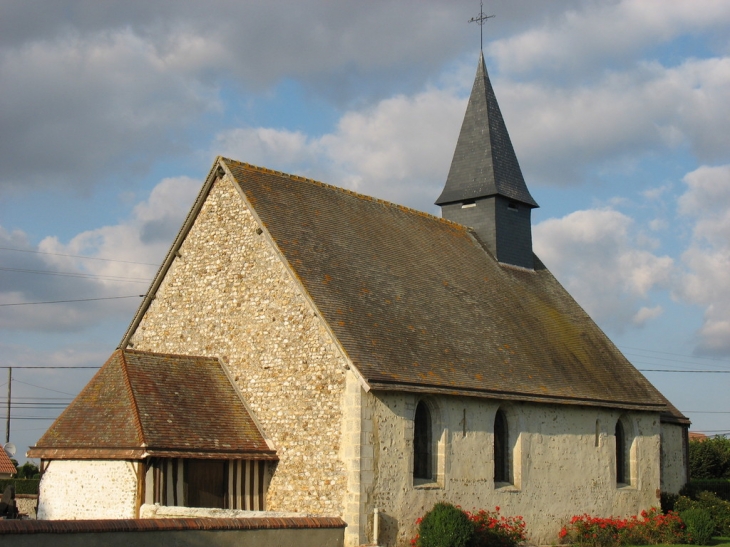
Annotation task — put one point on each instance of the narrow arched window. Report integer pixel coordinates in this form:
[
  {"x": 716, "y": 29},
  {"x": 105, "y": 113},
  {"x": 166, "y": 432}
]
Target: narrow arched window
[
  {"x": 501, "y": 450},
  {"x": 422, "y": 443},
  {"x": 621, "y": 476}
]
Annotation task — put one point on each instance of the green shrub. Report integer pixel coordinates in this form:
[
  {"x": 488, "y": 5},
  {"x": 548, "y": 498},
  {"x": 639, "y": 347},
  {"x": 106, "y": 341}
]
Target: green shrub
[
  {"x": 445, "y": 526},
  {"x": 719, "y": 487},
  {"x": 710, "y": 459},
  {"x": 719, "y": 511},
  {"x": 699, "y": 525}
]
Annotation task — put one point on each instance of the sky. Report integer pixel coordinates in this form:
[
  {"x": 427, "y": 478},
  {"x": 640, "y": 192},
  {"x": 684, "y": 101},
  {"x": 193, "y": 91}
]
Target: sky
[{"x": 112, "y": 113}]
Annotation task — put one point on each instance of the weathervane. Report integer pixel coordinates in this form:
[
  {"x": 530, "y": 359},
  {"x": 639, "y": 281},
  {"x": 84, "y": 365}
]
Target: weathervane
[{"x": 480, "y": 21}]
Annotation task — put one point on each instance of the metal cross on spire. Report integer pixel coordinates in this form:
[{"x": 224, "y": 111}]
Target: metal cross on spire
[{"x": 480, "y": 21}]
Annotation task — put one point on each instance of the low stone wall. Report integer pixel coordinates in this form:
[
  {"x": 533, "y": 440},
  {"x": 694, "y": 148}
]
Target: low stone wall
[
  {"x": 215, "y": 532},
  {"x": 27, "y": 504}
]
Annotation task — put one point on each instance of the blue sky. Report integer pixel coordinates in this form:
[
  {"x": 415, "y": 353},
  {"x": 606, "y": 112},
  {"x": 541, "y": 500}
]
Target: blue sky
[{"x": 112, "y": 113}]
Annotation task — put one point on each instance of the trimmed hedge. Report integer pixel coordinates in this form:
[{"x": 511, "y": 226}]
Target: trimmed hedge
[
  {"x": 719, "y": 487},
  {"x": 22, "y": 486}
]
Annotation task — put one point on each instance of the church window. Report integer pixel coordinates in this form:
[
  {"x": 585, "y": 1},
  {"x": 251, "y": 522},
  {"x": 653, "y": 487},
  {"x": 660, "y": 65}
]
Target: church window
[
  {"x": 624, "y": 456},
  {"x": 501, "y": 448},
  {"x": 422, "y": 443},
  {"x": 620, "y": 453}
]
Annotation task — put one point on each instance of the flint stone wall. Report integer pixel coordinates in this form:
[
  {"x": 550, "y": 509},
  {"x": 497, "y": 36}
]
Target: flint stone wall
[{"x": 229, "y": 295}]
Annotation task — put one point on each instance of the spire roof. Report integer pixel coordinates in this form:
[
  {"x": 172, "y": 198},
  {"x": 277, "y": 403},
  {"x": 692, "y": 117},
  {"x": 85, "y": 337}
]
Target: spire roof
[{"x": 484, "y": 162}]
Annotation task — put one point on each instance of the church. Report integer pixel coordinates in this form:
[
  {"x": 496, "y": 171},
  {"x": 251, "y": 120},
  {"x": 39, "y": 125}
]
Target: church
[{"x": 306, "y": 348}]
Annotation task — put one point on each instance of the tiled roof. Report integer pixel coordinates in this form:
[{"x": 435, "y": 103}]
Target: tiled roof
[
  {"x": 484, "y": 162},
  {"x": 6, "y": 466},
  {"x": 142, "y": 403},
  {"x": 418, "y": 304}
]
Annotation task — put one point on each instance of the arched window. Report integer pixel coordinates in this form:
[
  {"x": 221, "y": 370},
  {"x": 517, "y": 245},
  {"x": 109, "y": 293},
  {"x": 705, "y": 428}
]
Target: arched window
[
  {"x": 422, "y": 443},
  {"x": 501, "y": 448},
  {"x": 621, "y": 459}
]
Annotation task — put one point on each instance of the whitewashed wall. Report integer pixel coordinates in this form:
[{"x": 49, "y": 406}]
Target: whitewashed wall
[
  {"x": 75, "y": 490},
  {"x": 563, "y": 462}
]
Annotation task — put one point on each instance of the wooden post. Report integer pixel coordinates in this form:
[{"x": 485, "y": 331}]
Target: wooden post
[{"x": 141, "y": 476}]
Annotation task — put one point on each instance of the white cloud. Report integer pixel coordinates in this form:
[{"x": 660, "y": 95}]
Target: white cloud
[
  {"x": 587, "y": 39},
  {"x": 77, "y": 107},
  {"x": 560, "y": 132},
  {"x": 123, "y": 259},
  {"x": 645, "y": 314},
  {"x": 706, "y": 203},
  {"x": 596, "y": 255},
  {"x": 399, "y": 150}
]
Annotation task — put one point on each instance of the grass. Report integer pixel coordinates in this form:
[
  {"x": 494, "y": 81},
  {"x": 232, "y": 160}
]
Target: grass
[{"x": 716, "y": 542}]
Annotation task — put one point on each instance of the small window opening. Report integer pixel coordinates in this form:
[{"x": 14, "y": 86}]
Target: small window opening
[
  {"x": 422, "y": 443},
  {"x": 512, "y": 206},
  {"x": 501, "y": 454},
  {"x": 621, "y": 461},
  {"x": 469, "y": 203}
]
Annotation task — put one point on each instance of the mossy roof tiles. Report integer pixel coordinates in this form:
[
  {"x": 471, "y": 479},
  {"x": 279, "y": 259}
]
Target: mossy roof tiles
[
  {"x": 149, "y": 404},
  {"x": 418, "y": 304}
]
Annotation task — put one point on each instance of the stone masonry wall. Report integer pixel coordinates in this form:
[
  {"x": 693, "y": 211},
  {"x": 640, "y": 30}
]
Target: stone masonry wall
[
  {"x": 562, "y": 463},
  {"x": 82, "y": 489},
  {"x": 674, "y": 471},
  {"x": 230, "y": 295}
]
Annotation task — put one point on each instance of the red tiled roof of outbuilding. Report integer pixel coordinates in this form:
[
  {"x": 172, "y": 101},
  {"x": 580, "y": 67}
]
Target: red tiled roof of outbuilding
[
  {"x": 150, "y": 404},
  {"x": 6, "y": 466}
]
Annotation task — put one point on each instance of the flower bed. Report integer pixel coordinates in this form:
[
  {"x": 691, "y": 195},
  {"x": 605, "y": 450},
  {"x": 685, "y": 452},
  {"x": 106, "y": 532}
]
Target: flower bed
[{"x": 651, "y": 528}]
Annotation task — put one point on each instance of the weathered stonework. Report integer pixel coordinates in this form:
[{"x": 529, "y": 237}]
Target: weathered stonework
[
  {"x": 74, "y": 490},
  {"x": 230, "y": 295},
  {"x": 674, "y": 471},
  {"x": 562, "y": 461}
]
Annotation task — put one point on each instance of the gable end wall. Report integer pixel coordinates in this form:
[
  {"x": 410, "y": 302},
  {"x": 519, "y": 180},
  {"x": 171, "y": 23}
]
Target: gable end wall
[{"x": 229, "y": 295}]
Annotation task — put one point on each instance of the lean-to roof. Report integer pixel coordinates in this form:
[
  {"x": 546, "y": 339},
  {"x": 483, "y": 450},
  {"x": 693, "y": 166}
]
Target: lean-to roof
[{"x": 143, "y": 404}]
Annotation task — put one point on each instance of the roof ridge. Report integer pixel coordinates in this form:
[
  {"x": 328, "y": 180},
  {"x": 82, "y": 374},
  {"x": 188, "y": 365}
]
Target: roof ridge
[
  {"x": 353, "y": 193},
  {"x": 133, "y": 399}
]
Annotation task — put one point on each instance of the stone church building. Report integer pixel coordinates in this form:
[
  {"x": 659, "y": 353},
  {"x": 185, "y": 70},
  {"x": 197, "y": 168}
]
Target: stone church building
[{"x": 307, "y": 348}]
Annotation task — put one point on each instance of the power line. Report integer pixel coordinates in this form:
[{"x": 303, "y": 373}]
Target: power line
[
  {"x": 672, "y": 370},
  {"x": 73, "y": 300},
  {"x": 50, "y": 366},
  {"x": 77, "y": 256},
  {"x": 677, "y": 354},
  {"x": 47, "y": 388},
  {"x": 79, "y": 275},
  {"x": 653, "y": 361}
]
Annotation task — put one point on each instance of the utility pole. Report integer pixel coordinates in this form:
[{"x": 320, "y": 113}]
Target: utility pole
[{"x": 10, "y": 384}]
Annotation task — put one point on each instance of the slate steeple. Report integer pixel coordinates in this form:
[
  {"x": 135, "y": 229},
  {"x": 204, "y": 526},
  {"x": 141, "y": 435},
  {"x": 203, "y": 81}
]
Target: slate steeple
[{"x": 485, "y": 188}]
